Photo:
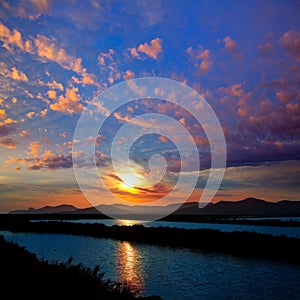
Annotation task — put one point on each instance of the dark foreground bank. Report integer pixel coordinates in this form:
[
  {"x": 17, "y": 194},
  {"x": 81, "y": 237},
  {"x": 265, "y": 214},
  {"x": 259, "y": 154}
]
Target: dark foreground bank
[
  {"x": 26, "y": 277},
  {"x": 243, "y": 244}
]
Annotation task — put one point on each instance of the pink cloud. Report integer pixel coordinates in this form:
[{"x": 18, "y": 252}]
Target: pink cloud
[
  {"x": 265, "y": 47},
  {"x": 284, "y": 96},
  {"x": 290, "y": 41},
  {"x": 128, "y": 75},
  {"x": 232, "y": 47},
  {"x": 201, "y": 58}
]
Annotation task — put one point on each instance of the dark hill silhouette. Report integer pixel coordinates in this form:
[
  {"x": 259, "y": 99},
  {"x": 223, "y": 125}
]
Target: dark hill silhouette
[
  {"x": 47, "y": 209},
  {"x": 248, "y": 207}
]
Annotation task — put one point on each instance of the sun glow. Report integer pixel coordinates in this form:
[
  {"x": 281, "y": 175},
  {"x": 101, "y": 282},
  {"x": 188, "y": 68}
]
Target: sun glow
[{"x": 130, "y": 183}]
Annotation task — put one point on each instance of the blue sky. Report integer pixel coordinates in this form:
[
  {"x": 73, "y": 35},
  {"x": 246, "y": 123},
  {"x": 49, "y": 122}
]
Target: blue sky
[{"x": 56, "y": 56}]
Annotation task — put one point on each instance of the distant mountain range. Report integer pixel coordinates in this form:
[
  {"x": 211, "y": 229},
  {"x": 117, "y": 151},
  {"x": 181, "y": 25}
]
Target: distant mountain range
[{"x": 246, "y": 207}]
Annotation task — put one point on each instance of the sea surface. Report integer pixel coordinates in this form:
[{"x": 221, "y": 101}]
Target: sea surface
[{"x": 174, "y": 274}]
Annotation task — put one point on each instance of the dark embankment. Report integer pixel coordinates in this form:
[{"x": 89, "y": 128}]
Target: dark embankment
[
  {"x": 245, "y": 244},
  {"x": 26, "y": 277}
]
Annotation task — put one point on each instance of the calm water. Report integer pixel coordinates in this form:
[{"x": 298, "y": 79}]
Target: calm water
[
  {"x": 274, "y": 230},
  {"x": 174, "y": 274}
]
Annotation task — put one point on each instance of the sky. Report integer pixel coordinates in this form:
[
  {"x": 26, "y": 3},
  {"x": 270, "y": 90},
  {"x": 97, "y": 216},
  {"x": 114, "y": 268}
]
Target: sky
[{"x": 243, "y": 57}]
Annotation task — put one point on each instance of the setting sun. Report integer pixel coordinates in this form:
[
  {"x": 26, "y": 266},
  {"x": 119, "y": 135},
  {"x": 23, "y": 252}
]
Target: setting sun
[{"x": 130, "y": 183}]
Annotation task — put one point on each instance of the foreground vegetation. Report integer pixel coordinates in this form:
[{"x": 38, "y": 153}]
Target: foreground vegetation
[
  {"x": 244, "y": 244},
  {"x": 26, "y": 277}
]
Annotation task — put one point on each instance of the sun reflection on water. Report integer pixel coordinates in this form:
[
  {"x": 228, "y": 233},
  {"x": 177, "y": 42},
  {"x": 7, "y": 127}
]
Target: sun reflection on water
[
  {"x": 129, "y": 265},
  {"x": 129, "y": 222}
]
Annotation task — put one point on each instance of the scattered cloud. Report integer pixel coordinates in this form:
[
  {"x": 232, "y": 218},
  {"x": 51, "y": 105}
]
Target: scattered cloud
[
  {"x": 18, "y": 75},
  {"x": 153, "y": 50},
  {"x": 266, "y": 48},
  {"x": 290, "y": 41},
  {"x": 201, "y": 58},
  {"x": 232, "y": 47},
  {"x": 128, "y": 75},
  {"x": 53, "y": 85},
  {"x": 51, "y": 94},
  {"x": 41, "y": 46},
  {"x": 70, "y": 103},
  {"x": 24, "y": 133},
  {"x": 30, "y": 114},
  {"x": 34, "y": 148},
  {"x": 2, "y": 114},
  {"x": 8, "y": 142},
  {"x": 236, "y": 92},
  {"x": 13, "y": 73}
]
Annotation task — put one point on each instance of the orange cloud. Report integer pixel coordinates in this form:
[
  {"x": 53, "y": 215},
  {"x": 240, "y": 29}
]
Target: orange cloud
[
  {"x": 120, "y": 118},
  {"x": 44, "y": 112},
  {"x": 46, "y": 47},
  {"x": 152, "y": 50},
  {"x": 128, "y": 75},
  {"x": 2, "y": 114},
  {"x": 10, "y": 38},
  {"x": 163, "y": 139},
  {"x": 14, "y": 73},
  {"x": 34, "y": 148},
  {"x": 51, "y": 94},
  {"x": 10, "y": 121},
  {"x": 24, "y": 133},
  {"x": 70, "y": 103},
  {"x": 134, "y": 52},
  {"x": 18, "y": 75},
  {"x": 87, "y": 79},
  {"x": 42, "y": 46},
  {"x": 53, "y": 85},
  {"x": 30, "y": 114}
]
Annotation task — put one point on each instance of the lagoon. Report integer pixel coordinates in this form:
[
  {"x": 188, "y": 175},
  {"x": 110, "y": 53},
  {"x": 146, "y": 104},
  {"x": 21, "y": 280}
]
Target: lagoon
[{"x": 174, "y": 274}]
